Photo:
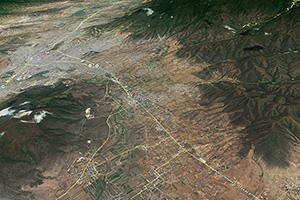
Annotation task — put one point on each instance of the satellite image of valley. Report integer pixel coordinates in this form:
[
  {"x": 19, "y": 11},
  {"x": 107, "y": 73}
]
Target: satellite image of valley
[{"x": 150, "y": 100}]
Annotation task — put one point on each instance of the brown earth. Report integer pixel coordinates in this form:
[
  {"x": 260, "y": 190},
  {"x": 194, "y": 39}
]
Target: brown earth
[{"x": 229, "y": 98}]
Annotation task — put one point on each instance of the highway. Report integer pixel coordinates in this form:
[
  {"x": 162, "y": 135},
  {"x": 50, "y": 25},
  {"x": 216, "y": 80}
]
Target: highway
[{"x": 129, "y": 96}]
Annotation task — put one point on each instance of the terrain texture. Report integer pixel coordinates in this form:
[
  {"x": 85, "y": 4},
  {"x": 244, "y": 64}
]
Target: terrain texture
[{"x": 161, "y": 99}]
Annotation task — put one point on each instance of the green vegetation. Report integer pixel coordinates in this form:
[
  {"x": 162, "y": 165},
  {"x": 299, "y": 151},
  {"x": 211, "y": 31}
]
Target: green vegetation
[
  {"x": 8, "y": 74},
  {"x": 71, "y": 69},
  {"x": 40, "y": 74},
  {"x": 131, "y": 190},
  {"x": 112, "y": 177},
  {"x": 262, "y": 174},
  {"x": 79, "y": 13},
  {"x": 96, "y": 189}
]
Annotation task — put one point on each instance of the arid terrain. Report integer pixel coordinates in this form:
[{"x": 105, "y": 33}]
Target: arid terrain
[{"x": 151, "y": 100}]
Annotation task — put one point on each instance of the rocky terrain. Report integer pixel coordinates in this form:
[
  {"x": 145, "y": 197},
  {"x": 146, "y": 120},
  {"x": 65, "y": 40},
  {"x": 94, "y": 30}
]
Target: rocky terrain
[{"x": 150, "y": 100}]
